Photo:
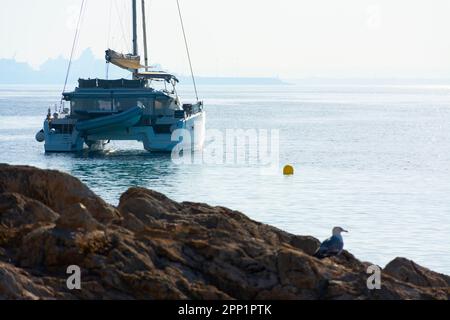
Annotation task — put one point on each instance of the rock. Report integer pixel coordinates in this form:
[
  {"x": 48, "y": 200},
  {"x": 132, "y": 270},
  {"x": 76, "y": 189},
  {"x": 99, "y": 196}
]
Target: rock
[
  {"x": 409, "y": 271},
  {"x": 76, "y": 216},
  {"x": 17, "y": 210},
  {"x": 151, "y": 247},
  {"x": 307, "y": 244},
  {"x": 54, "y": 189},
  {"x": 18, "y": 284}
]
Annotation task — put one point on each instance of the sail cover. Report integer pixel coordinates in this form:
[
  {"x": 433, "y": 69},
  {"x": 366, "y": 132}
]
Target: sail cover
[{"x": 125, "y": 61}]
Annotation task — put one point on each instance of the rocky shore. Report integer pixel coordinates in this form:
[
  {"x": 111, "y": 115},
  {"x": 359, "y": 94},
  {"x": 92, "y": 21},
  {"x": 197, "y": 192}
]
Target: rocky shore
[{"x": 150, "y": 247}]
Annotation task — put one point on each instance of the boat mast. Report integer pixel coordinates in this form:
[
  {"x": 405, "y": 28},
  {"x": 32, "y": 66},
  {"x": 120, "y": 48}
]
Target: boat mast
[
  {"x": 144, "y": 29},
  {"x": 135, "y": 40}
]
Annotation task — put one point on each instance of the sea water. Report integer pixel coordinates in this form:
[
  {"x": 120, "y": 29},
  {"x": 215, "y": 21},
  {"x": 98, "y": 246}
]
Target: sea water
[{"x": 373, "y": 159}]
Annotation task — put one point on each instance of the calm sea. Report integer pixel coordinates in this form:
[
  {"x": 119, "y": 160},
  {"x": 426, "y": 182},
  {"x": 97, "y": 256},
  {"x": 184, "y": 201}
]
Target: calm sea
[{"x": 374, "y": 159}]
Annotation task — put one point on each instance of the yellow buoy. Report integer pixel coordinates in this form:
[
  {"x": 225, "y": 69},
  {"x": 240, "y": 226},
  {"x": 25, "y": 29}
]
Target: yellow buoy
[{"x": 288, "y": 170}]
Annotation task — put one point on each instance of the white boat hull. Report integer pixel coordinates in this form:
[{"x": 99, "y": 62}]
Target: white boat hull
[{"x": 152, "y": 141}]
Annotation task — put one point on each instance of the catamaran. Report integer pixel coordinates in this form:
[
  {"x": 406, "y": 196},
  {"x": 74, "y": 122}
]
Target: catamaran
[{"x": 102, "y": 110}]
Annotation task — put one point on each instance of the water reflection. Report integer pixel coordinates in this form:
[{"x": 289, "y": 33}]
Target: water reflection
[{"x": 117, "y": 170}]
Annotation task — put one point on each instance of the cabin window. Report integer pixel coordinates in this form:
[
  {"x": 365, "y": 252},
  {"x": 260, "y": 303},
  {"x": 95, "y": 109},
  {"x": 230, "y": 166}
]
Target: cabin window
[
  {"x": 162, "y": 107},
  {"x": 104, "y": 105},
  {"x": 124, "y": 104},
  {"x": 121, "y": 104},
  {"x": 91, "y": 105}
]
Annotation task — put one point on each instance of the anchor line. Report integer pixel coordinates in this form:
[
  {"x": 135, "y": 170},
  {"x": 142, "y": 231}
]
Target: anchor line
[{"x": 187, "y": 50}]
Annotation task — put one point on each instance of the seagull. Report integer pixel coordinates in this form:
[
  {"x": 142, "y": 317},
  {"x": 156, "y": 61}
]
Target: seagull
[{"x": 332, "y": 246}]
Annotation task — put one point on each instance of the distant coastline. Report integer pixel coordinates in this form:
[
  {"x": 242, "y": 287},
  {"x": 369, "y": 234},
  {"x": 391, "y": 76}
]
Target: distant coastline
[{"x": 87, "y": 65}]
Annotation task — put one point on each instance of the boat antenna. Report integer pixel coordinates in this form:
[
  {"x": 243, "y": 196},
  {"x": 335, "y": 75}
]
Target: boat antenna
[
  {"x": 75, "y": 40},
  {"x": 144, "y": 30},
  {"x": 187, "y": 50}
]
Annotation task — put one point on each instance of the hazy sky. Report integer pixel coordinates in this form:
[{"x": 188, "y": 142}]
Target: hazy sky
[{"x": 286, "y": 38}]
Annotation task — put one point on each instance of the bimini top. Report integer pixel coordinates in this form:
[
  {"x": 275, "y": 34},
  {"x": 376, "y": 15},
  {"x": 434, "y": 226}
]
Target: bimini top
[
  {"x": 111, "y": 84},
  {"x": 157, "y": 75},
  {"x": 121, "y": 88}
]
